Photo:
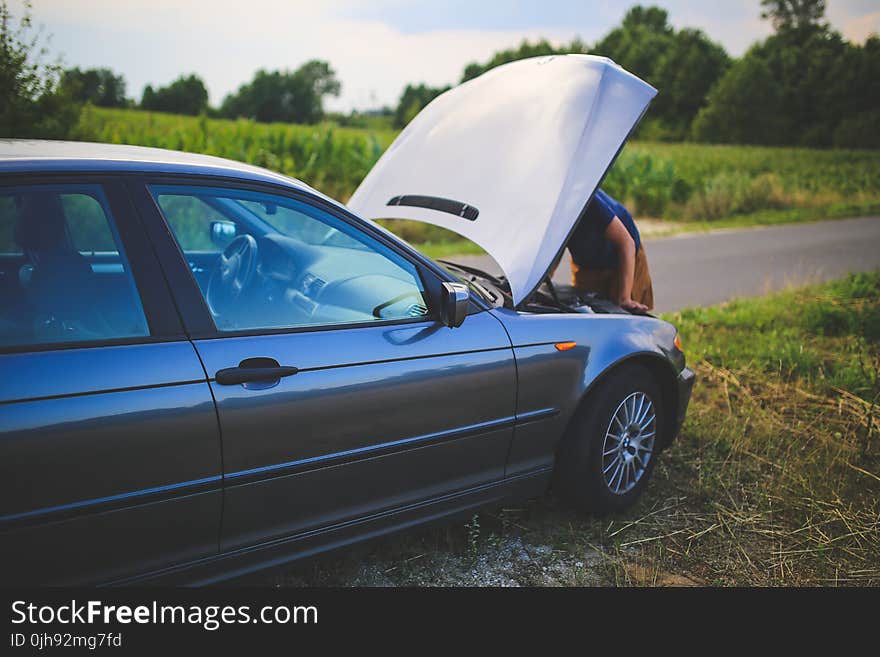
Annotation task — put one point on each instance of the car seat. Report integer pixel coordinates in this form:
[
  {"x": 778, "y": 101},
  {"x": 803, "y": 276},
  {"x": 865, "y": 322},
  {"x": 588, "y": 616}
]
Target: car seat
[{"x": 56, "y": 278}]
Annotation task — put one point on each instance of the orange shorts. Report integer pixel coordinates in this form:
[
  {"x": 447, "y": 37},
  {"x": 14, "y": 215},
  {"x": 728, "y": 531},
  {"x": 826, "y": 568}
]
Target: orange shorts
[{"x": 606, "y": 282}]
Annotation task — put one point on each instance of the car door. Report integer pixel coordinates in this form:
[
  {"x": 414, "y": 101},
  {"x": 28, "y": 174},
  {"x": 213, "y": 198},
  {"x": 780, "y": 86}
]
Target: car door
[
  {"x": 109, "y": 445},
  {"x": 367, "y": 403}
]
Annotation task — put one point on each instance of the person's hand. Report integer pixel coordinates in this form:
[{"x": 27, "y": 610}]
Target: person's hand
[{"x": 633, "y": 306}]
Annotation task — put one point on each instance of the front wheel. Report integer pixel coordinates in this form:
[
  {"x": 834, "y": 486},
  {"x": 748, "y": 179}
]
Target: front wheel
[{"x": 610, "y": 448}]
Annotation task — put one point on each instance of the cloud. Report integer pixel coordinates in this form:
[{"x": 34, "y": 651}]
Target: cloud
[
  {"x": 859, "y": 29},
  {"x": 736, "y": 24},
  {"x": 225, "y": 41},
  {"x": 376, "y": 46}
]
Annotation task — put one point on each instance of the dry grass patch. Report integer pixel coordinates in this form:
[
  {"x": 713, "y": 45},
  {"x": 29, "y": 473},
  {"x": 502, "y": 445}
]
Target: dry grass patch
[{"x": 773, "y": 481}]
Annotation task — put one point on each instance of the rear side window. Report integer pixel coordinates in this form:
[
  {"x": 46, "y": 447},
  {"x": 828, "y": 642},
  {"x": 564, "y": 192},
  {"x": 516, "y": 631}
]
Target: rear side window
[
  {"x": 64, "y": 276},
  {"x": 90, "y": 230},
  {"x": 8, "y": 216}
]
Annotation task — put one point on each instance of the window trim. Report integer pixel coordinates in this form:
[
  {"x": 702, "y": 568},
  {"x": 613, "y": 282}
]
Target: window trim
[
  {"x": 190, "y": 301},
  {"x": 163, "y": 321}
]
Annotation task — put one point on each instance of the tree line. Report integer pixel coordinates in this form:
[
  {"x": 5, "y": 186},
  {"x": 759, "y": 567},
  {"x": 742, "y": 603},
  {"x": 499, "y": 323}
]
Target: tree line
[
  {"x": 39, "y": 98},
  {"x": 288, "y": 96},
  {"x": 805, "y": 85}
]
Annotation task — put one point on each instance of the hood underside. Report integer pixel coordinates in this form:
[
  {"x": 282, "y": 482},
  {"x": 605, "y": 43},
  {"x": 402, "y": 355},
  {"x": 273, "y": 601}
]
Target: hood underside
[{"x": 509, "y": 159}]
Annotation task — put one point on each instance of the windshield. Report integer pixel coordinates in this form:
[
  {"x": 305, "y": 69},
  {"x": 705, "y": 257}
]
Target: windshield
[{"x": 480, "y": 284}]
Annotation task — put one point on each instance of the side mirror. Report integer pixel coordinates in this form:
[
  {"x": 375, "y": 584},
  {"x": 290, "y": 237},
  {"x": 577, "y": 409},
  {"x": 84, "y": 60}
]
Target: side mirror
[
  {"x": 222, "y": 232},
  {"x": 456, "y": 299}
]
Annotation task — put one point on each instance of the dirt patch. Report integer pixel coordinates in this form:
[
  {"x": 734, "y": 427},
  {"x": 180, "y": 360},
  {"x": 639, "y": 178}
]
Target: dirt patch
[
  {"x": 654, "y": 576},
  {"x": 540, "y": 543},
  {"x": 649, "y": 227},
  {"x": 507, "y": 562}
]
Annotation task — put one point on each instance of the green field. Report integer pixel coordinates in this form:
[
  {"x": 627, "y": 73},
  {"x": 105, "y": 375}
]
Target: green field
[
  {"x": 332, "y": 159},
  {"x": 691, "y": 186},
  {"x": 774, "y": 480}
]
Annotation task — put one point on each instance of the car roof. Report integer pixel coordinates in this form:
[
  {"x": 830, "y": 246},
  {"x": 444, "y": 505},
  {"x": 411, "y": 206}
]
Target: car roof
[{"x": 33, "y": 156}]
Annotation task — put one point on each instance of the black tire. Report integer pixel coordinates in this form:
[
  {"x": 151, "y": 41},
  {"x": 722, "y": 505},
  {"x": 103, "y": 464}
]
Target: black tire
[{"x": 579, "y": 476}]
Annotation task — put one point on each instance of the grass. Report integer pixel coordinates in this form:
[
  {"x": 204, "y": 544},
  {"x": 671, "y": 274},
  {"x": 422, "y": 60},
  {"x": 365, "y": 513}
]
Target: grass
[
  {"x": 701, "y": 182},
  {"x": 687, "y": 187},
  {"x": 775, "y": 479}
]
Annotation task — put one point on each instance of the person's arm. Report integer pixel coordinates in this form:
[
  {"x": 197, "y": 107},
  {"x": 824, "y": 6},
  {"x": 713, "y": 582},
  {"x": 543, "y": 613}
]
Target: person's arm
[
  {"x": 555, "y": 265},
  {"x": 618, "y": 235}
]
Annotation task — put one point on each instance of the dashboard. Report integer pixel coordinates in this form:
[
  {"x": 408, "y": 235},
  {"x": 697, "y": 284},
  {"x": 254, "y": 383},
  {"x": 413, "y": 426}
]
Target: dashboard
[{"x": 299, "y": 283}]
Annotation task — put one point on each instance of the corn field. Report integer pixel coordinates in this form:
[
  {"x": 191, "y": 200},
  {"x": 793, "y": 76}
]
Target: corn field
[{"x": 679, "y": 181}]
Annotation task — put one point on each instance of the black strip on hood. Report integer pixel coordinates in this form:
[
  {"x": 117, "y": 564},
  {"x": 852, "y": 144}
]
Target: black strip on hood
[{"x": 449, "y": 206}]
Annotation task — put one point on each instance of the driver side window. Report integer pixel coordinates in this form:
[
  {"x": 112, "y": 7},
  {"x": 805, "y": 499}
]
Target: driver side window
[{"x": 269, "y": 262}]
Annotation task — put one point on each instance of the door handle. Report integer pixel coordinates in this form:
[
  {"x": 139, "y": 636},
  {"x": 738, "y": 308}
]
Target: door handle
[{"x": 254, "y": 369}]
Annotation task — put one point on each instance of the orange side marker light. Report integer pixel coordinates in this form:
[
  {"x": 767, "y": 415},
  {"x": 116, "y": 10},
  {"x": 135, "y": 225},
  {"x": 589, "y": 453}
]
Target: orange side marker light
[{"x": 565, "y": 346}]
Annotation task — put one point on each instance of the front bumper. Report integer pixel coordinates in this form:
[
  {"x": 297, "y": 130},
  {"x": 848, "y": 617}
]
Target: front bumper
[{"x": 685, "y": 384}]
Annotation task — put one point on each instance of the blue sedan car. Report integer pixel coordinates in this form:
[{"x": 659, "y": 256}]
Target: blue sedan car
[{"x": 209, "y": 368}]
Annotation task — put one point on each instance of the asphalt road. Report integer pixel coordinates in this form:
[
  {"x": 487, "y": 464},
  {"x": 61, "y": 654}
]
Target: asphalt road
[{"x": 707, "y": 268}]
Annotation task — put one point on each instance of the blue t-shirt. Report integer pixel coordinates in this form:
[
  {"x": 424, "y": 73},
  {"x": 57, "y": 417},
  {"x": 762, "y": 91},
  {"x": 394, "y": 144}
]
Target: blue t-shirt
[{"x": 588, "y": 245}]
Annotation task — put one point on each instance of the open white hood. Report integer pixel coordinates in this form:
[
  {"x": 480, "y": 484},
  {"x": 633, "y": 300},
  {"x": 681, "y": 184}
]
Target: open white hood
[{"x": 510, "y": 159}]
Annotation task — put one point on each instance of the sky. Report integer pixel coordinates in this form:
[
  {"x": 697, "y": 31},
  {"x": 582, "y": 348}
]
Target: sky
[{"x": 375, "y": 46}]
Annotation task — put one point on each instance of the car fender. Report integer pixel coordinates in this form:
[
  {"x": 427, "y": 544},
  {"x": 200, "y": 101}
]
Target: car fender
[{"x": 552, "y": 382}]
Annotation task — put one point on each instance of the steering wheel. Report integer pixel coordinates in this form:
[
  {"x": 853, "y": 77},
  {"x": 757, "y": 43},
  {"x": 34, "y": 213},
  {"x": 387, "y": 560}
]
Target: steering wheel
[{"x": 235, "y": 270}]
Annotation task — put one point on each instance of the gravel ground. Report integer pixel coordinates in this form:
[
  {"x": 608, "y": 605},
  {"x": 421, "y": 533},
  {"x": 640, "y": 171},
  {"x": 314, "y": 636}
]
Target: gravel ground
[
  {"x": 540, "y": 543},
  {"x": 506, "y": 563}
]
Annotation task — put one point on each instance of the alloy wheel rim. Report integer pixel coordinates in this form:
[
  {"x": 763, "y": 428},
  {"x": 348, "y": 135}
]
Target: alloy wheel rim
[{"x": 629, "y": 443}]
